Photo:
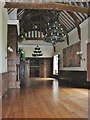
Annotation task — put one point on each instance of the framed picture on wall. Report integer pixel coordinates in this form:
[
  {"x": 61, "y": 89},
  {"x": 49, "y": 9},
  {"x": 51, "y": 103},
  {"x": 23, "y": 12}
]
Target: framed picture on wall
[{"x": 70, "y": 57}]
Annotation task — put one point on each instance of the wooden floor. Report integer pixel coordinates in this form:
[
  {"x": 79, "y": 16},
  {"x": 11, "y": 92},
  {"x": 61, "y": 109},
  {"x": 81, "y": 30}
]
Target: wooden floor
[{"x": 46, "y": 99}]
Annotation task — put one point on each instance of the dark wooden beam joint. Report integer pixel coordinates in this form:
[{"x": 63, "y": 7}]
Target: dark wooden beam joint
[
  {"x": 79, "y": 32},
  {"x": 67, "y": 39},
  {"x": 54, "y": 48},
  {"x": 77, "y": 22}
]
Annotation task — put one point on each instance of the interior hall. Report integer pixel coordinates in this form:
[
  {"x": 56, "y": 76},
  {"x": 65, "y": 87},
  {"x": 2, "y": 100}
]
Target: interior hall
[{"x": 45, "y": 59}]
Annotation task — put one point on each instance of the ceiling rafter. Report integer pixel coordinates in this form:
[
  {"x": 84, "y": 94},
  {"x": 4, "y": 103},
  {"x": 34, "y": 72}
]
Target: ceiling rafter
[
  {"x": 77, "y": 22},
  {"x": 47, "y": 6},
  {"x": 20, "y": 12},
  {"x": 80, "y": 16},
  {"x": 68, "y": 20},
  {"x": 10, "y": 10},
  {"x": 65, "y": 21},
  {"x": 61, "y": 20}
]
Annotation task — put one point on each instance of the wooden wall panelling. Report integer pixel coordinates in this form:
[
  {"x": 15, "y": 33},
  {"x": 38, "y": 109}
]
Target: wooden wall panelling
[
  {"x": 88, "y": 62},
  {"x": 34, "y": 67},
  {"x": 0, "y": 96},
  {"x": 48, "y": 64},
  {"x": 5, "y": 84},
  {"x": 74, "y": 78},
  {"x": 11, "y": 57},
  {"x": 0, "y": 84},
  {"x": 42, "y": 69}
]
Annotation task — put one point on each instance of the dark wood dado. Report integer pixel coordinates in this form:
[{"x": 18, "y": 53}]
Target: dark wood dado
[
  {"x": 74, "y": 78},
  {"x": 11, "y": 57},
  {"x": 5, "y": 82},
  {"x": 0, "y": 84},
  {"x": 88, "y": 62},
  {"x": 0, "y": 96}
]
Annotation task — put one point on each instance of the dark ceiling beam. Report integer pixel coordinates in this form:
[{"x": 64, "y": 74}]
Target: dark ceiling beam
[
  {"x": 28, "y": 38},
  {"x": 77, "y": 22},
  {"x": 46, "y": 6},
  {"x": 34, "y": 38},
  {"x": 66, "y": 32}
]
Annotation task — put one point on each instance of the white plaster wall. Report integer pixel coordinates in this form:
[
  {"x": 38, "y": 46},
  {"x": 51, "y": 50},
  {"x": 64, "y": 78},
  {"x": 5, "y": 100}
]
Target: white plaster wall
[
  {"x": 0, "y": 37},
  {"x": 13, "y": 15},
  {"x": 46, "y": 50},
  {"x": 3, "y": 38},
  {"x": 89, "y": 30},
  {"x": 73, "y": 38},
  {"x": 0, "y": 60}
]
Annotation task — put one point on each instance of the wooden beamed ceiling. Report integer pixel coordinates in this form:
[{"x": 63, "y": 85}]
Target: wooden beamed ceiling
[
  {"x": 47, "y": 6},
  {"x": 70, "y": 15}
]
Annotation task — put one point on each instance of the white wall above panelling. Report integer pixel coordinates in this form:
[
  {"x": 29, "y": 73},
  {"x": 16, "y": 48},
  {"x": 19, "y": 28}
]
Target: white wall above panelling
[
  {"x": 35, "y": 42},
  {"x": 0, "y": 37},
  {"x": 3, "y": 37},
  {"x": 89, "y": 29},
  {"x": 46, "y": 50},
  {"x": 73, "y": 38},
  {"x": 13, "y": 15}
]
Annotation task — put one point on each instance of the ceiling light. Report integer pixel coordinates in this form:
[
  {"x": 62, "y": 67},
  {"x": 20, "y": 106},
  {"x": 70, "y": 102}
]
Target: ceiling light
[
  {"x": 37, "y": 52},
  {"x": 54, "y": 33}
]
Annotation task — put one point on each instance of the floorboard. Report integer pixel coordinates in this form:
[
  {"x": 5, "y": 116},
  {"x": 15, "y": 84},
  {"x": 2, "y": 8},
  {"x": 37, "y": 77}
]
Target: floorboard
[{"x": 45, "y": 99}]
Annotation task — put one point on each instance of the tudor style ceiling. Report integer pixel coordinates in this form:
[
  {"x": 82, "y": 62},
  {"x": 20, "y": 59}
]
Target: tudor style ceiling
[{"x": 35, "y": 16}]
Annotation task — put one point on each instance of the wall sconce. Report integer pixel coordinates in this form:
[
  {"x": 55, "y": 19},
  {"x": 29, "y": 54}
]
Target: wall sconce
[
  {"x": 10, "y": 49},
  {"x": 80, "y": 55}
]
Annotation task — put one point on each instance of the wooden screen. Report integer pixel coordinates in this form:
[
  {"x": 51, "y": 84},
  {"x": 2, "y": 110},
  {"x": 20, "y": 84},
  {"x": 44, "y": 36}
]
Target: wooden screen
[{"x": 40, "y": 67}]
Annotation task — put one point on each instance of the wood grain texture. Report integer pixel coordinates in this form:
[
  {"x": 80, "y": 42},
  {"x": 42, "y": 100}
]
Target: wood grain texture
[
  {"x": 46, "y": 6},
  {"x": 40, "y": 67},
  {"x": 88, "y": 62},
  {"x": 11, "y": 58},
  {"x": 46, "y": 99},
  {"x": 5, "y": 82},
  {"x": 74, "y": 78},
  {"x": 0, "y": 96}
]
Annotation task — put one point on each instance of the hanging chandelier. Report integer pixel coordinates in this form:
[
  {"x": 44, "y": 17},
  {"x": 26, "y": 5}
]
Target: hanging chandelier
[
  {"x": 37, "y": 52},
  {"x": 54, "y": 33}
]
